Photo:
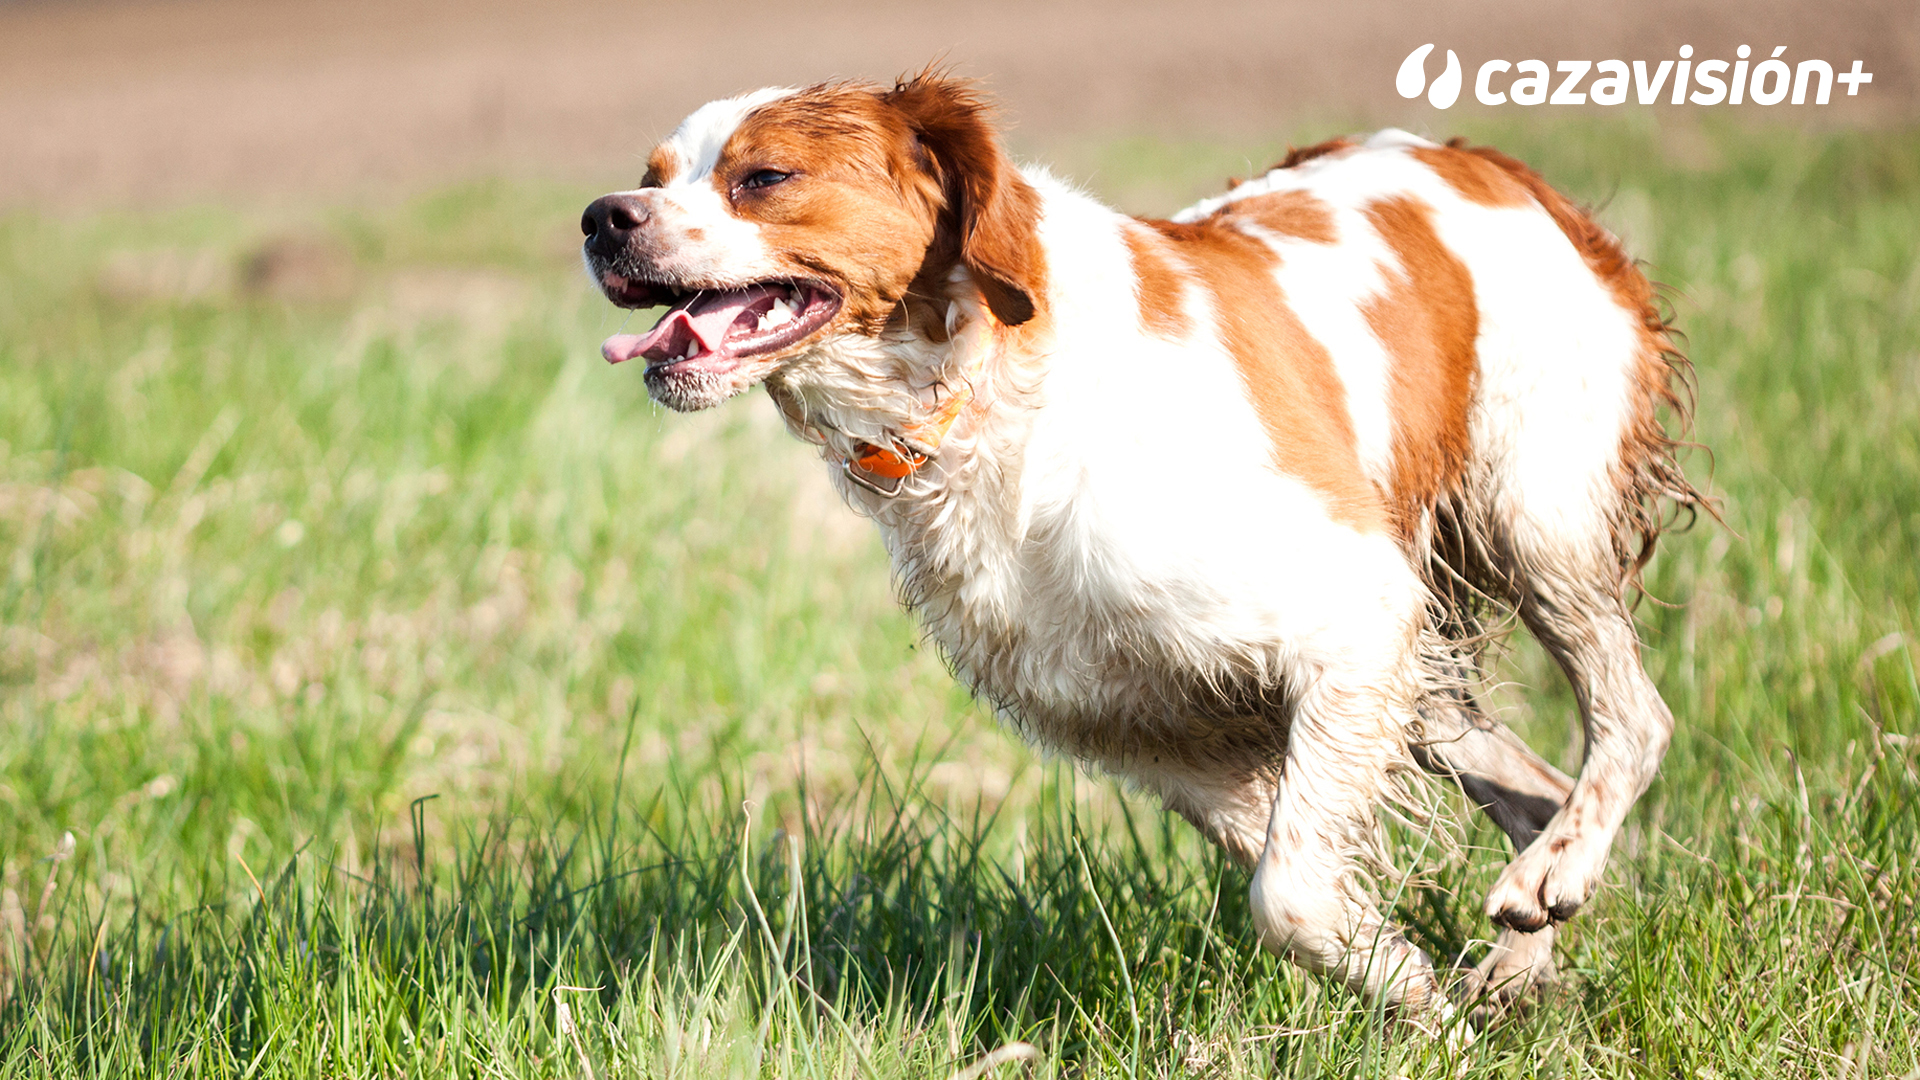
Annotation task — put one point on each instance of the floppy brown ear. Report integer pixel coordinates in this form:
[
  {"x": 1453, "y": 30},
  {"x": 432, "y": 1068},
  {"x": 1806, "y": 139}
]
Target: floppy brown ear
[{"x": 996, "y": 212}]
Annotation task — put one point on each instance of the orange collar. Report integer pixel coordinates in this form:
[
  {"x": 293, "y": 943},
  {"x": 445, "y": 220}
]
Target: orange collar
[
  {"x": 884, "y": 469},
  {"x": 891, "y": 463}
]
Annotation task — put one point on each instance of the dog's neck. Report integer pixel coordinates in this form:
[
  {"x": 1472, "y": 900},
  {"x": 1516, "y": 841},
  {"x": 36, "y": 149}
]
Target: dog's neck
[{"x": 956, "y": 512}]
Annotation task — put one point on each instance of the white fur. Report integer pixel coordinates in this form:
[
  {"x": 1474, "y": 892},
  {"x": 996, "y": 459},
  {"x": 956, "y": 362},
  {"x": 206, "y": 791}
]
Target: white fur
[{"x": 700, "y": 138}]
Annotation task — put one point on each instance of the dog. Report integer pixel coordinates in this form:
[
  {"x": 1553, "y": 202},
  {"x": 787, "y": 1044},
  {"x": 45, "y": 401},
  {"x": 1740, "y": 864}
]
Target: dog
[{"x": 1218, "y": 504}]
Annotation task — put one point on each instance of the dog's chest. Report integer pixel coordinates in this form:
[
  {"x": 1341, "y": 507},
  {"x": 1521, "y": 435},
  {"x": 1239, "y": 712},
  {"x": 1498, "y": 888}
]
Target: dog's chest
[{"x": 1115, "y": 599}]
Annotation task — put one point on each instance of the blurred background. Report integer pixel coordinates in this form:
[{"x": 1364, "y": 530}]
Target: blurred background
[{"x": 132, "y": 102}]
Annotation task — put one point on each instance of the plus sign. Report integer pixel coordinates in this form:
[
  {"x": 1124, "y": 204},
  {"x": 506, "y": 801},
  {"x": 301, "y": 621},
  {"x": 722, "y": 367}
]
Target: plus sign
[{"x": 1854, "y": 78}]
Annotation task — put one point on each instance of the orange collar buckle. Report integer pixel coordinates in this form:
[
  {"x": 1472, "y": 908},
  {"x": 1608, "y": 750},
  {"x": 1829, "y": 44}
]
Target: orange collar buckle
[{"x": 883, "y": 470}]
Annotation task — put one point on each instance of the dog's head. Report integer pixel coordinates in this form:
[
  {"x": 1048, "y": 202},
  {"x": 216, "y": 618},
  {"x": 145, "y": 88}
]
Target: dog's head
[{"x": 770, "y": 222}]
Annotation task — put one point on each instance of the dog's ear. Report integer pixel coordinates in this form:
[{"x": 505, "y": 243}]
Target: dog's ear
[{"x": 995, "y": 211}]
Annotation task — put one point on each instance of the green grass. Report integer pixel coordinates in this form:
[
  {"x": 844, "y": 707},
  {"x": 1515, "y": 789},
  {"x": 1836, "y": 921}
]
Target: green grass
[{"x": 420, "y": 700}]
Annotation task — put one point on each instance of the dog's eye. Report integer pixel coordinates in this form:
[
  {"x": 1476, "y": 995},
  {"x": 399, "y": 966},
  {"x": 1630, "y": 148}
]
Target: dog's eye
[{"x": 764, "y": 178}]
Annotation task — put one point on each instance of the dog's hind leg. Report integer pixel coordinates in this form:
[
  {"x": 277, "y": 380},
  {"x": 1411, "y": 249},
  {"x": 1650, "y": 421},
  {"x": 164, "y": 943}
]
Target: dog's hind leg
[
  {"x": 1510, "y": 783},
  {"x": 1520, "y": 792},
  {"x": 1516, "y": 788},
  {"x": 1584, "y": 625}
]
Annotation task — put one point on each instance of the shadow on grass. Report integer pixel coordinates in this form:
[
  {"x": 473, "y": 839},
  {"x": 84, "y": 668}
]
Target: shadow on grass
[
  {"x": 881, "y": 904},
  {"x": 884, "y": 922}
]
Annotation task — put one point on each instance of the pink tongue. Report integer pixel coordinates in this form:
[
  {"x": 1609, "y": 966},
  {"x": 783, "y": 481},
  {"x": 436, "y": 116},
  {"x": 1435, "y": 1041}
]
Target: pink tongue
[
  {"x": 620, "y": 347},
  {"x": 705, "y": 320}
]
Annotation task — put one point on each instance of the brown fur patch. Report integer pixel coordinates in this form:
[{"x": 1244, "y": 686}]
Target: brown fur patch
[
  {"x": 1290, "y": 377},
  {"x": 886, "y": 191},
  {"x": 662, "y": 166},
  {"x": 1428, "y": 322},
  {"x": 1297, "y": 155},
  {"x": 993, "y": 214},
  {"x": 1472, "y": 176},
  {"x": 1648, "y": 474},
  {"x": 1298, "y": 214},
  {"x": 1159, "y": 285},
  {"x": 857, "y": 210}
]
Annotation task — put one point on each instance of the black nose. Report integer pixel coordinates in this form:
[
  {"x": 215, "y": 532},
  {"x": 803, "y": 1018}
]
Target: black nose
[{"x": 610, "y": 220}]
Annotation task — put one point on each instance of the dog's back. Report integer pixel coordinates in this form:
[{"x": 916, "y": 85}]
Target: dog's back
[{"x": 1502, "y": 360}]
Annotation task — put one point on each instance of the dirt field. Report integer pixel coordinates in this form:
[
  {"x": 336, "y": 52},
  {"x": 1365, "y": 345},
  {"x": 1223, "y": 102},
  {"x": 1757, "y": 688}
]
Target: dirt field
[{"x": 119, "y": 102}]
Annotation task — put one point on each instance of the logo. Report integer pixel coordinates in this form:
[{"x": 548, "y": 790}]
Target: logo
[
  {"x": 1413, "y": 78},
  {"x": 1528, "y": 82}
]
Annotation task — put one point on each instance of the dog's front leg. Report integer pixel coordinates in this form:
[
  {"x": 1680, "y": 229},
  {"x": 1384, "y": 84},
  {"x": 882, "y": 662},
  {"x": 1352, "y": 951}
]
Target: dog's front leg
[{"x": 1309, "y": 901}]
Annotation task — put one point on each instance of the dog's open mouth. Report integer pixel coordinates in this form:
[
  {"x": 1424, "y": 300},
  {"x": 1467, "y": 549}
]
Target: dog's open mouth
[{"x": 714, "y": 329}]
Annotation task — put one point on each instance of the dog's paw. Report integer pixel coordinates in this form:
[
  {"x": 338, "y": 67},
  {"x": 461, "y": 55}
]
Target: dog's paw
[
  {"x": 1517, "y": 965},
  {"x": 1546, "y": 883}
]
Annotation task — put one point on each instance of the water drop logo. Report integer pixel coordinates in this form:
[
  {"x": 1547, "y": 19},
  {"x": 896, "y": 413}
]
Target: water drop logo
[{"x": 1413, "y": 78}]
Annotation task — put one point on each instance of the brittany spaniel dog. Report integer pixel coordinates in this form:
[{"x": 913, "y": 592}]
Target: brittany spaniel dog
[{"x": 1219, "y": 503}]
